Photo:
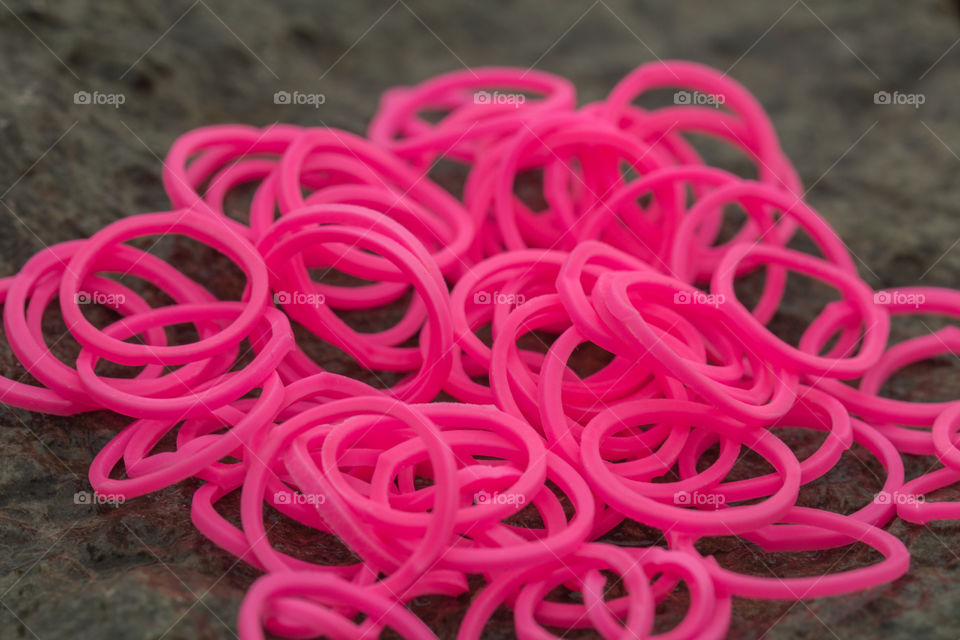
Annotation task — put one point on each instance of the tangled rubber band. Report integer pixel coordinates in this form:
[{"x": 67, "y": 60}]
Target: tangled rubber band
[{"x": 568, "y": 350}]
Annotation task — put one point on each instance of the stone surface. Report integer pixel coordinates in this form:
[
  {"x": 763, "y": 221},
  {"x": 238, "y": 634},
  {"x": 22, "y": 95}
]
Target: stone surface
[{"x": 883, "y": 175}]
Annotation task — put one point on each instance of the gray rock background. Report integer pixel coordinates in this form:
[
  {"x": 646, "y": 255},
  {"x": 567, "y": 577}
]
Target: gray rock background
[{"x": 883, "y": 175}]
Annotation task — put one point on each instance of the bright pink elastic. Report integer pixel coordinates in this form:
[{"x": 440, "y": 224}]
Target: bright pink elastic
[
  {"x": 84, "y": 264},
  {"x": 569, "y": 345}
]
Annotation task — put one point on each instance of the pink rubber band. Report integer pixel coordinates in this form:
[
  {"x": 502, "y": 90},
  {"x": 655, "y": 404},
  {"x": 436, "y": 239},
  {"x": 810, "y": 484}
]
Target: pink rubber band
[
  {"x": 555, "y": 298},
  {"x": 235, "y": 247}
]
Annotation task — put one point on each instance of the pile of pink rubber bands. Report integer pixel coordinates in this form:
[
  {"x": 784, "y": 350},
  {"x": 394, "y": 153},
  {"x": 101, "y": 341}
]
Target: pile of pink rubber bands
[{"x": 491, "y": 455}]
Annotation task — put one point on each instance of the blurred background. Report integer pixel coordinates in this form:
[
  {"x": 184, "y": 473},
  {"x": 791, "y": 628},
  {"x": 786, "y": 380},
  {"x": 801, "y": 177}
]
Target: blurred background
[{"x": 864, "y": 97}]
